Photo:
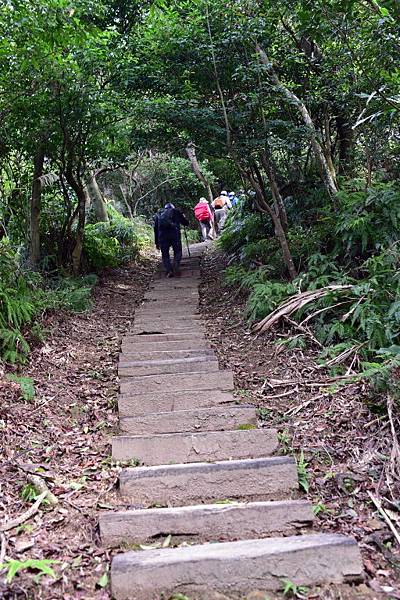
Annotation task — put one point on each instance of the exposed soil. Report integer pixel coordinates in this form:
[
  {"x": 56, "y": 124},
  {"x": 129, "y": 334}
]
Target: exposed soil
[
  {"x": 64, "y": 432},
  {"x": 346, "y": 445}
]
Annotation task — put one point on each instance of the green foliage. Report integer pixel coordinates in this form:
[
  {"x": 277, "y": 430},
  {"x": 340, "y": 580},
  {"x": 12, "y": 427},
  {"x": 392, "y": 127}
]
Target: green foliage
[
  {"x": 265, "y": 297},
  {"x": 25, "y": 297},
  {"x": 114, "y": 243},
  {"x": 369, "y": 219},
  {"x": 291, "y": 590},
  {"x": 42, "y": 567},
  {"x": 320, "y": 509},
  {"x": 302, "y": 472},
  {"x": 28, "y": 492},
  {"x": 243, "y": 229},
  {"x": 26, "y": 384}
]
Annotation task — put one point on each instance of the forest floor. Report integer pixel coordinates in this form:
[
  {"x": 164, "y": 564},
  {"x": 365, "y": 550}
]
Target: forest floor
[
  {"x": 346, "y": 445},
  {"x": 64, "y": 432}
]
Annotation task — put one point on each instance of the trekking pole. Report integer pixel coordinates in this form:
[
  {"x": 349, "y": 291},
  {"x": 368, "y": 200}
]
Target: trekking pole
[{"x": 187, "y": 241}]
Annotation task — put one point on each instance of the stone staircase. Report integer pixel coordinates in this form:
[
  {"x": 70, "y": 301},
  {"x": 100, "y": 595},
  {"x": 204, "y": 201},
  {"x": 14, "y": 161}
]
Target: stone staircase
[{"x": 197, "y": 449}]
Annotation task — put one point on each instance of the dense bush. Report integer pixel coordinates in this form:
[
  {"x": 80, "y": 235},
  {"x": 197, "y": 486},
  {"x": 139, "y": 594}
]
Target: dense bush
[
  {"x": 354, "y": 246},
  {"x": 114, "y": 243}
]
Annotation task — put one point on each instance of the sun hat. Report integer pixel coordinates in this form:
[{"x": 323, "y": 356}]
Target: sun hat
[{"x": 224, "y": 193}]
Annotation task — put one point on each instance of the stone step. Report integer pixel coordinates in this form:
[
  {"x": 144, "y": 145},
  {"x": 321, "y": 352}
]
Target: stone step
[
  {"x": 187, "y": 272},
  {"x": 194, "y": 483},
  {"x": 175, "y": 323},
  {"x": 219, "y": 418},
  {"x": 175, "y": 361},
  {"x": 169, "y": 325},
  {"x": 193, "y": 343},
  {"x": 204, "y": 446},
  {"x": 167, "y": 303},
  {"x": 160, "y": 315},
  {"x": 196, "y": 330},
  {"x": 161, "y": 311},
  {"x": 188, "y": 365},
  {"x": 175, "y": 296},
  {"x": 157, "y": 337},
  {"x": 206, "y": 522},
  {"x": 130, "y": 406},
  {"x": 130, "y": 354},
  {"x": 236, "y": 567},
  {"x": 220, "y": 380},
  {"x": 166, "y": 284}
]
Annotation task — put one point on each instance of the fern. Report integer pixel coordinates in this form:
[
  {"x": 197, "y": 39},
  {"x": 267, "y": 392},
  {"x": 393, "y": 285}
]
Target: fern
[
  {"x": 42, "y": 567},
  {"x": 26, "y": 384}
]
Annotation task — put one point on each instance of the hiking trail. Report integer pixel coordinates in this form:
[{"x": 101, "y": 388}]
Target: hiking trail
[{"x": 198, "y": 449}]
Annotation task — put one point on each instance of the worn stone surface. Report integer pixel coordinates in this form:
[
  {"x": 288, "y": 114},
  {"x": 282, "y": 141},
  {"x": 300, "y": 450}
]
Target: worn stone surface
[
  {"x": 204, "y": 446},
  {"x": 177, "y": 324},
  {"x": 157, "y": 337},
  {"x": 184, "y": 296},
  {"x": 130, "y": 406},
  {"x": 206, "y": 522},
  {"x": 130, "y": 356},
  {"x": 174, "y": 485},
  {"x": 193, "y": 343},
  {"x": 161, "y": 327},
  {"x": 220, "y": 380},
  {"x": 170, "y": 315},
  {"x": 170, "y": 361},
  {"x": 197, "y": 365},
  {"x": 218, "y": 418},
  {"x": 234, "y": 567},
  {"x": 162, "y": 312}
]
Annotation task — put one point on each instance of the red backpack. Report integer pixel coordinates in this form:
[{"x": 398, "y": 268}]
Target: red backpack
[{"x": 201, "y": 211}]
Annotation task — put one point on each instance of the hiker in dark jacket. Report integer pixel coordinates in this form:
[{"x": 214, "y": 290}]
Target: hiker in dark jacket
[{"x": 167, "y": 234}]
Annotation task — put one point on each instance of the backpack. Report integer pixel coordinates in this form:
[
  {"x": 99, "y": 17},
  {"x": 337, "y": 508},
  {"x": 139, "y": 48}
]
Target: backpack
[
  {"x": 219, "y": 202},
  {"x": 201, "y": 211},
  {"x": 166, "y": 220}
]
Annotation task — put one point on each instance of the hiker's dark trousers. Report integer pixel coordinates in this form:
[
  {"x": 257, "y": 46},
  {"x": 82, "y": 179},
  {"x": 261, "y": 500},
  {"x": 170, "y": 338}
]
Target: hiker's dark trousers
[{"x": 176, "y": 245}]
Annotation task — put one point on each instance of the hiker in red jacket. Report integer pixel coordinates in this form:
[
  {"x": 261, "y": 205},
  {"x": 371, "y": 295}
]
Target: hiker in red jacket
[{"x": 204, "y": 215}]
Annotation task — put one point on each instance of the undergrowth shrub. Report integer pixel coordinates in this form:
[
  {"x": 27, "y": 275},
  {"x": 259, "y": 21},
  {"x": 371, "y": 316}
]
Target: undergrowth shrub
[
  {"x": 368, "y": 219},
  {"x": 25, "y": 296},
  {"x": 114, "y": 243}
]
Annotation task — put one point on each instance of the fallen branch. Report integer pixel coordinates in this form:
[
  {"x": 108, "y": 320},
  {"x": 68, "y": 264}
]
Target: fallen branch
[
  {"x": 395, "y": 453},
  {"x": 3, "y": 547},
  {"x": 304, "y": 330},
  {"x": 386, "y": 517},
  {"x": 25, "y": 516},
  {"x": 289, "y": 393},
  {"x": 295, "y": 303},
  {"x": 40, "y": 485}
]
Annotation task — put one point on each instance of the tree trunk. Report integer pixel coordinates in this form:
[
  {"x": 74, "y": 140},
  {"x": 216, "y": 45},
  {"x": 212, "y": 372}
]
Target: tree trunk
[
  {"x": 346, "y": 141},
  {"x": 279, "y": 231},
  {"x": 328, "y": 145},
  {"x": 79, "y": 189},
  {"x": 35, "y": 208},
  {"x": 125, "y": 199},
  {"x": 191, "y": 153},
  {"x": 276, "y": 195},
  {"x": 302, "y": 109},
  {"x": 96, "y": 197}
]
